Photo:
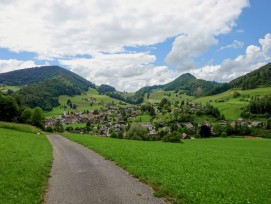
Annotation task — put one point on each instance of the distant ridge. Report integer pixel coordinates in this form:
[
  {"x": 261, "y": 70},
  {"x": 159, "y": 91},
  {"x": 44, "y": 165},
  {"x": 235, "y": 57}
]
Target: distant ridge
[
  {"x": 186, "y": 82},
  {"x": 260, "y": 77},
  {"x": 34, "y": 75},
  {"x": 43, "y": 85}
]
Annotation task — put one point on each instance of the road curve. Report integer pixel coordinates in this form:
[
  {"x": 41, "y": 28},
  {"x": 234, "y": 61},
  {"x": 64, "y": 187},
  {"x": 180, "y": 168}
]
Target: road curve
[{"x": 80, "y": 175}]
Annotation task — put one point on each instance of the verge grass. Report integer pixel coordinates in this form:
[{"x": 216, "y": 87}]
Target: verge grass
[
  {"x": 25, "y": 160},
  {"x": 223, "y": 170}
]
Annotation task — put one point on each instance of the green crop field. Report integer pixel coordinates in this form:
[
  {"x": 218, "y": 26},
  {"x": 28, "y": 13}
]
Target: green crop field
[
  {"x": 25, "y": 160},
  {"x": 223, "y": 170},
  {"x": 83, "y": 104},
  {"x": 232, "y": 107}
]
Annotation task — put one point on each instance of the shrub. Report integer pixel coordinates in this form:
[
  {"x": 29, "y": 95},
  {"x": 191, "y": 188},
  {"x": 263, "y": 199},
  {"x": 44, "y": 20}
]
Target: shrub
[
  {"x": 69, "y": 128},
  {"x": 137, "y": 132},
  {"x": 224, "y": 134},
  {"x": 172, "y": 137},
  {"x": 49, "y": 129}
]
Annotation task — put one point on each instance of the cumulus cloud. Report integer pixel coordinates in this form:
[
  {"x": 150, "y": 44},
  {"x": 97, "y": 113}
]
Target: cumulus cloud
[
  {"x": 13, "y": 64},
  {"x": 229, "y": 69},
  {"x": 59, "y": 28},
  {"x": 128, "y": 72},
  {"x": 103, "y": 29}
]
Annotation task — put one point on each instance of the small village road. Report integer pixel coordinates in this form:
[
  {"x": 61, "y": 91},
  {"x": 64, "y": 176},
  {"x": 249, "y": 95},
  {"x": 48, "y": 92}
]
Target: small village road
[{"x": 80, "y": 175}]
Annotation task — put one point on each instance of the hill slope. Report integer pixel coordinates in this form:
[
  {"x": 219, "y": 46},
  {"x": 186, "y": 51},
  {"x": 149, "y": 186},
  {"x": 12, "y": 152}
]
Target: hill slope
[
  {"x": 43, "y": 85},
  {"x": 37, "y": 74},
  {"x": 258, "y": 78},
  {"x": 186, "y": 82}
]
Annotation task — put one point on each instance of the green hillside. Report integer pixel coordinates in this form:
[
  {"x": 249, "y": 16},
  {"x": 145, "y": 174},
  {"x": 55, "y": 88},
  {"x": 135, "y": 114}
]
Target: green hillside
[
  {"x": 83, "y": 102},
  {"x": 37, "y": 74},
  {"x": 232, "y": 106},
  {"x": 187, "y": 83},
  {"x": 43, "y": 85},
  {"x": 258, "y": 78}
]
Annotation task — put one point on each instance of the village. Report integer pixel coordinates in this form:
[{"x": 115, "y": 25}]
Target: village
[{"x": 161, "y": 117}]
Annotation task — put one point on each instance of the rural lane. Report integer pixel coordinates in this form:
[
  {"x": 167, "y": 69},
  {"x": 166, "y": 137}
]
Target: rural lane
[{"x": 79, "y": 175}]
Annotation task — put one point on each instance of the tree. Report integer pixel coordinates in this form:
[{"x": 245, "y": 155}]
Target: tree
[
  {"x": 9, "y": 109},
  {"x": 37, "y": 118},
  {"x": 205, "y": 131},
  {"x": 59, "y": 127},
  {"x": 26, "y": 115},
  {"x": 137, "y": 132},
  {"x": 172, "y": 137}
]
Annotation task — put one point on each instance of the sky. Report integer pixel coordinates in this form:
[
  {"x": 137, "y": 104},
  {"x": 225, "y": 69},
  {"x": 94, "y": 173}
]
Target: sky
[{"x": 137, "y": 43}]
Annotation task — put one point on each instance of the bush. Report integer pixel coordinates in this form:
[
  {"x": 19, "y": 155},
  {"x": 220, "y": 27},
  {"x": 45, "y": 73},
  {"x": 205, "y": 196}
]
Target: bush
[
  {"x": 224, "y": 134},
  {"x": 49, "y": 129},
  {"x": 69, "y": 128},
  {"x": 174, "y": 137},
  {"x": 114, "y": 135},
  {"x": 137, "y": 132}
]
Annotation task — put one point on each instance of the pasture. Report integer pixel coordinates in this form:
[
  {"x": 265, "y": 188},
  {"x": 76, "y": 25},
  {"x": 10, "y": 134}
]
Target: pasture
[
  {"x": 222, "y": 170},
  {"x": 232, "y": 107},
  {"x": 25, "y": 160}
]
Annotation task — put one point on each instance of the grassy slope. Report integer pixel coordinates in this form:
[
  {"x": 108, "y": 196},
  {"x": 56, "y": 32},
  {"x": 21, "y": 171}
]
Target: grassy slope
[
  {"x": 198, "y": 171},
  {"x": 232, "y": 108},
  {"x": 157, "y": 95},
  {"x": 82, "y": 104},
  {"x": 25, "y": 160},
  {"x": 5, "y": 88}
]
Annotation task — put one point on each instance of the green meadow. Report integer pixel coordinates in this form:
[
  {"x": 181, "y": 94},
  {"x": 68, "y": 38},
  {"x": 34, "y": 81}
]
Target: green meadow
[
  {"x": 157, "y": 95},
  {"x": 223, "y": 170},
  {"x": 83, "y": 104},
  {"x": 25, "y": 160},
  {"x": 232, "y": 107}
]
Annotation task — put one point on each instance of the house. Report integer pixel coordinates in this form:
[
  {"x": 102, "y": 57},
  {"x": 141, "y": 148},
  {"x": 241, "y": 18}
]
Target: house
[
  {"x": 256, "y": 124},
  {"x": 49, "y": 122},
  {"x": 185, "y": 136},
  {"x": 188, "y": 125}
]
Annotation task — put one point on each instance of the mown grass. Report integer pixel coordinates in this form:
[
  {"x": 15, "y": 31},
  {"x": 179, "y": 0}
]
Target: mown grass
[
  {"x": 232, "y": 107},
  {"x": 196, "y": 171},
  {"x": 25, "y": 160}
]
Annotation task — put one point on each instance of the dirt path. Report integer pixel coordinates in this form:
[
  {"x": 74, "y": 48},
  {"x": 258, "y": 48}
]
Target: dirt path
[{"x": 80, "y": 175}]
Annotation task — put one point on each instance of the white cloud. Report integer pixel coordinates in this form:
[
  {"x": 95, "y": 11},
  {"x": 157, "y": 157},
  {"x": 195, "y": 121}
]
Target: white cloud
[
  {"x": 13, "y": 64},
  {"x": 229, "y": 69},
  {"x": 128, "y": 72},
  {"x": 234, "y": 45},
  {"x": 59, "y": 28}
]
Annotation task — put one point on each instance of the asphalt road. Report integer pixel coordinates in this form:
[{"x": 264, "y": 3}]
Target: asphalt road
[{"x": 80, "y": 175}]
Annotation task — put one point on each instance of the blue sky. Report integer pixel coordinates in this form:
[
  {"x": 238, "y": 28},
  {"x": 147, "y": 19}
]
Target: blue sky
[{"x": 137, "y": 43}]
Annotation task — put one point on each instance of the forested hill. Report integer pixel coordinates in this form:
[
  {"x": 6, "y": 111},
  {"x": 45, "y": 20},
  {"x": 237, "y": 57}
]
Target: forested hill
[
  {"x": 254, "y": 79},
  {"x": 37, "y": 74},
  {"x": 257, "y": 78},
  {"x": 43, "y": 85},
  {"x": 186, "y": 82}
]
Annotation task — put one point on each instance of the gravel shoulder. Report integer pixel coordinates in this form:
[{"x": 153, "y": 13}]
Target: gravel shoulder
[{"x": 80, "y": 175}]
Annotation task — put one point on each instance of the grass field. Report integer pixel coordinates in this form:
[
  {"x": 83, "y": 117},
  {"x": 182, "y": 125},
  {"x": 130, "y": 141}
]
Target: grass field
[
  {"x": 83, "y": 104},
  {"x": 223, "y": 170},
  {"x": 157, "y": 95},
  {"x": 25, "y": 160},
  {"x": 231, "y": 108},
  {"x": 5, "y": 88},
  {"x": 141, "y": 118}
]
